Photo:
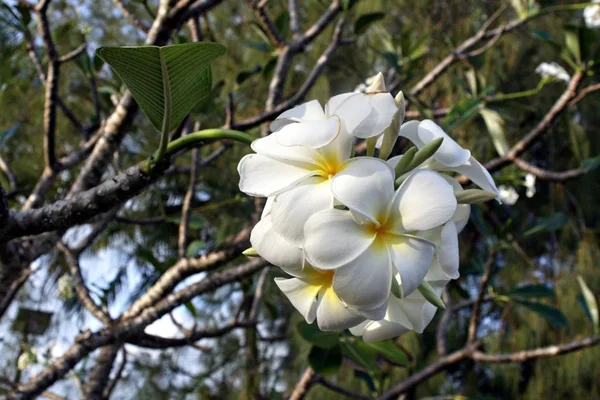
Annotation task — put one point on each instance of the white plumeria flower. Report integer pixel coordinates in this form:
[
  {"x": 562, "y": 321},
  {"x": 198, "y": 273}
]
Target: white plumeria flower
[
  {"x": 449, "y": 157},
  {"x": 412, "y": 313},
  {"x": 373, "y": 241},
  {"x": 553, "y": 70},
  {"x": 530, "y": 185},
  {"x": 591, "y": 15},
  {"x": 361, "y": 115},
  {"x": 311, "y": 293},
  {"x": 297, "y": 178},
  {"x": 508, "y": 195}
]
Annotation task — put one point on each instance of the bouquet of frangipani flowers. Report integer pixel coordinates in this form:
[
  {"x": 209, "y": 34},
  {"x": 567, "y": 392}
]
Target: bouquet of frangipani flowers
[{"x": 369, "y": 241}]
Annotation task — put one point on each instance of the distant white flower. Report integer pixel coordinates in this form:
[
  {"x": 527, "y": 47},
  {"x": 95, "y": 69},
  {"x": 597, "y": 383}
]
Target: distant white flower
[
  {"x": 553, "y": 70},
  {"x": 449, "y": 157},
  {"x": 508, "y": 195},
  {"x": 591, "y": 15},
  {"x": 530, "y": 185},
  {"x": 375, "y": 242}
]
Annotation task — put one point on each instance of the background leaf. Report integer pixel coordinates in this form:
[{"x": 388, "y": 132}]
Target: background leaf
[
  {"x": 550, "y": 314},
  {"x": 366, "y": 20},
  {"x": 325, "y": 361},
  {"x": 312, "y": 334}
]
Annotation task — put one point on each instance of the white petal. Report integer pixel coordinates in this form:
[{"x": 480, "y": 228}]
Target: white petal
[
  {"x": 339, "y": 150},
  {"x": 461, "y": 216},
  {"x": 359, "y": 329},
  {"x": 392, "y": 162},
  {"x": 311, "y": 110},
  {"x": 420, "y": 311},
  {"x": 410, "y": 130},
  {"x": 333, "y": 315},
  {"x": 446, "y": 263},
  {"x": 302, "y": 296},
  {"x": 382, "y": 330},
  {"x": 412, "y": 257},
  {"x": 351, "y": 108},
  {"x": 268, "y": 146},
  {"x": 450, "y": 153},
  {"x": 334, "y": 239},
  {"x": 292, "y": 208},
  {"x": 382, "y": 113},
  {"x": 396, "y": 314},
  {"x": 312, "y": 134},
  {"x": 365, "y": 186},
  {"x": 463, "y": 211},
  {"x": 365, "y": 282},
  {"x": 424, "y": 200},
  {"x": 267, "y": 208},
  {"x": 374, "y": 314},
  {"x": 476, "y": 172},
  {"x": 264, "y": 177},
  {"x": 274, "y": 248}
]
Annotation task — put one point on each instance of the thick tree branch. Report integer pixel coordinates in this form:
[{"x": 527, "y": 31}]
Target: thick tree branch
[{"x": 64, "y": 214}]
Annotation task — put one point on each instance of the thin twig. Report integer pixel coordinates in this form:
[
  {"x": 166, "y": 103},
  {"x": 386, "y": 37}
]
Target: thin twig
[{"x": 485, "y": 279}]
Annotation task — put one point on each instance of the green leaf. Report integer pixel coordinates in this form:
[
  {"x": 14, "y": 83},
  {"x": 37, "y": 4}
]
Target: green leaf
[
  {"x": 465, "y": 110},
  {"x": 325, "y": 361},
  {"x": 591, "y": 163},
  {"x": 25, "y": 14},
  {"x": 195, "y": 248},
  {"x": 8, "y": 133},
  {"x": 348, "y": 4},
  {"x": 550, "y": 314},
  {"x": 196, "y": 221},
  {"x": 548, "y": 224},
  {"x": 282, "y": 22},
  {"x": 572, "y": 42},
  {"x": 590, "y": 302},
  {"x": 495, "y": 126},
  {"x": 531, "y": 291},
  {"x": 361, "y": 353},
  {"x": 312, "y": 334},
  {"x": 368, "y": 379},
  {"x": 186, "y": 70},
  {"x": 366, "y": 20},
  {"x": 390, "y": 351}
]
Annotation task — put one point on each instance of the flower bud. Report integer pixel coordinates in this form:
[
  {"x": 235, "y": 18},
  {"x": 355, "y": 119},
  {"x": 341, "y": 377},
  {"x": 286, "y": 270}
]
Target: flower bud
[
  {"x": 427, "y": 291},
  {"x": 474, "y": 196}
]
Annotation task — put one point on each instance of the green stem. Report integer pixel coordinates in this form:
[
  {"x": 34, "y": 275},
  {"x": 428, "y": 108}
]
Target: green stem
[
  {"x": 195, "y": 138},
  {"x": 207, "y": 134}
]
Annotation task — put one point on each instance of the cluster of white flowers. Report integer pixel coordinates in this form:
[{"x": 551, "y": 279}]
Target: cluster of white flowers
[{"x": 369, "y": 242}]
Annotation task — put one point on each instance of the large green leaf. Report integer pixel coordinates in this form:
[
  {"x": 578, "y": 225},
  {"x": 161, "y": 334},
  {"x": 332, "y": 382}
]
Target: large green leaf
[
  {"x": 186, "y": 72},
  {"x": 590, "y": 303},
  {"x": 390, "y": 352},
  {"x": 312, "y": 334},
  {"x": 363, "y": 22},
  {"x": 361, "y": 353},
  {"x": 325, "y": 361},
  {"x": 531, "y": 291},
  {"x": 550, "y": 314},
  {"x": 495, "y": 126},
  {"x": 549, "y": 224}
]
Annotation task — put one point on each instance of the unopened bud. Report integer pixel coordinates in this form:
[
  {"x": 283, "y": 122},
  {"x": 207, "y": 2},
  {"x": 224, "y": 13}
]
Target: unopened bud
[
  {"x": 427, "y": 291},
  {"x": 474, "y": 196},
  {"x": 425, "y": 152},
  {"x": 250, "y": 252},
  {"x": 378, "y": 84}
]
